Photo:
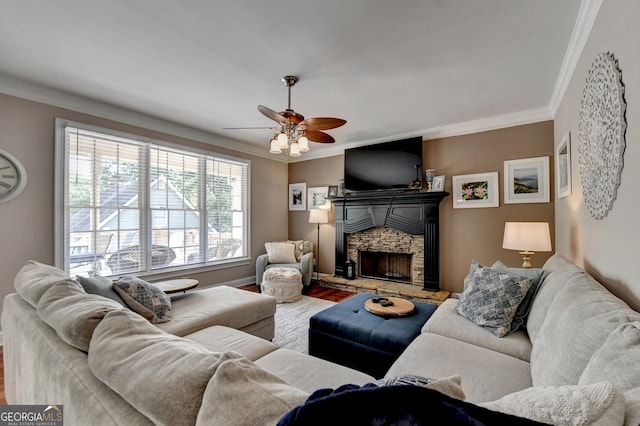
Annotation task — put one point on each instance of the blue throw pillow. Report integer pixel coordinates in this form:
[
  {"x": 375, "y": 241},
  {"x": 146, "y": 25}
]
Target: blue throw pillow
[{"x": 536, "y": 274}]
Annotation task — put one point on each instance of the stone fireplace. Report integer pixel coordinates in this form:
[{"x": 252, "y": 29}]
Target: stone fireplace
[
  {"x": 388, "y": 254},
  {"x": 391, "y": 236}
]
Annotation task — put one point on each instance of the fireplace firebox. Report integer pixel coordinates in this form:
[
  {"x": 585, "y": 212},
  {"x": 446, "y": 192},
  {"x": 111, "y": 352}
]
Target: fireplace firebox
[{"x": 385, "y": 266}]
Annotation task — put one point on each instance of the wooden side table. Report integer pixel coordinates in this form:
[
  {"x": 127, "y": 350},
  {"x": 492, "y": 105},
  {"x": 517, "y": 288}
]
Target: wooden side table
[{"x": 177, "y": 285}]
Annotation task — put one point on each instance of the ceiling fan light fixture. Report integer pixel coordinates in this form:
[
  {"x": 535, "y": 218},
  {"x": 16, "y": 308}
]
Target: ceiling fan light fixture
[
  {"x": 303, "y": 143},
  {"x": 274, "y": 147},
  {"x": 283, "y": 140},
  {"x": 294, "y": 150}
]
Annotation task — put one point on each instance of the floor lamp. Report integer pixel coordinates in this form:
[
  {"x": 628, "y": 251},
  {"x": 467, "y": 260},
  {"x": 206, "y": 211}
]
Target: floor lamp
[{"x": 318, "y": 216}]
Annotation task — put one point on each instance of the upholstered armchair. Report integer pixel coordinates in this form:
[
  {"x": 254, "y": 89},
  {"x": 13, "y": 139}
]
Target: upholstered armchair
[{"x": 287, "y": 254}]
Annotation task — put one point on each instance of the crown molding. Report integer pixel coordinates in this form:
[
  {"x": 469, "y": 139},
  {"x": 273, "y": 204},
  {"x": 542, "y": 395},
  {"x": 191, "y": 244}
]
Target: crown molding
[{"x": 584, "y": 23}]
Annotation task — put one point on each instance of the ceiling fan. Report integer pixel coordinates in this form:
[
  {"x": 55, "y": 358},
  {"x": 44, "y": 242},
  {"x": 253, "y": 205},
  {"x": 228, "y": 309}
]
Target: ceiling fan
[{"x": 294, "y": 128}]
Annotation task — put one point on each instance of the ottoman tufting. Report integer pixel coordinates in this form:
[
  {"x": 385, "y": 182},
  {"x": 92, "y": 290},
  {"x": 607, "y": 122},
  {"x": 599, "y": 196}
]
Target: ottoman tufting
[
  {"x": 285, "y": 284},
  {"x": 348, "y": 334}
]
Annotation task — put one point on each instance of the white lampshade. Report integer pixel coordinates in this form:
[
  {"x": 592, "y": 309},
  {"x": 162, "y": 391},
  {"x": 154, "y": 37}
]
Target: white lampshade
[
  {"x": 283, "y": 140},
  {"x": 274, "y": 147},
  {"x": 303, "y": 143},
  {"x": 318, "y": 216},
  {"x": 294, "y": 150},
  {"x": 528, "y": 237}
]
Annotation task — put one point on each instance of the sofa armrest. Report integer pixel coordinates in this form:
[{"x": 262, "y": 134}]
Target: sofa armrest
[
  {"x": 261, "y": 263},
  {"x": 306, "y": 268}
]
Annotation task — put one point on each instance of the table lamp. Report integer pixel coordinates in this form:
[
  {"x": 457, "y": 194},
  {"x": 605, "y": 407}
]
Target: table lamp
[{"x": 528, "y": 237}]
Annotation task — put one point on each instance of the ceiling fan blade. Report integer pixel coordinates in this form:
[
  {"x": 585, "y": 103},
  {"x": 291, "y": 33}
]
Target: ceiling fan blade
[
  {"x": 275, "y": 116},
  {"x": 323, "y": 123},
  {"x": 321, "y": 137}
]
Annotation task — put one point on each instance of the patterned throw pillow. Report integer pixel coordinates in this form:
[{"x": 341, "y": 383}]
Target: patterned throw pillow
[
  {"x": 298, "y": 248},
  {"x": 144, "y": 298},
  {"x": 536, "y": 274},
  {"x": 490, "y": 298}
]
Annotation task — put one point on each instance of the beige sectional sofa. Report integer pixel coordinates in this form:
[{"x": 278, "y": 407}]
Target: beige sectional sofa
[{"x": 108, "y": 365}]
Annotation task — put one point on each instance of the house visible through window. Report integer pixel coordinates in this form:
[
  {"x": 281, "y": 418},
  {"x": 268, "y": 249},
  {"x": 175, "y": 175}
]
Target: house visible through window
[{"x": 136, "y": 206}]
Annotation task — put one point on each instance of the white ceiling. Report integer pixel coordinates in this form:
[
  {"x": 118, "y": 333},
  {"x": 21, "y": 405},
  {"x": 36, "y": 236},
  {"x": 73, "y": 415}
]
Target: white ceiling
[{"x": 392, "y": 69}]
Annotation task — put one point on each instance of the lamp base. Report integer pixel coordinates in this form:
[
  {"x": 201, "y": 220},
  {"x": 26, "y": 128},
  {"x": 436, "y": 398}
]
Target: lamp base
[{"x": 526, "y": 258}]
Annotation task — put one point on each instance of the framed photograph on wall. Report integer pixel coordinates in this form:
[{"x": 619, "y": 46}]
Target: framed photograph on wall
[
  {"x": 563, "y": 167},
  {"x": 474, "y": 191},
  {"x": 297, "y": 196},
  {"x": 526, "y": 180},
  {"x": 318, "y": 197},
  {"x": 438, "y": 183}
]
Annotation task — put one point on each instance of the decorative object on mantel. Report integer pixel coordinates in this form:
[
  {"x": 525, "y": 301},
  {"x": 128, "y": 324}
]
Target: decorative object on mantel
[
  {"x": 601, "y": 141},
  {"x": 438, "y": 183},
  {"x": 528, "y": 237},
  {"x": 563, "y": 167},
  {"x": 429, "y": 175}
]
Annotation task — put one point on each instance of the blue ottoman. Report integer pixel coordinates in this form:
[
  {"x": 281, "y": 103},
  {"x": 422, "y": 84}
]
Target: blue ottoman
[{"x": 350, "y": 335}]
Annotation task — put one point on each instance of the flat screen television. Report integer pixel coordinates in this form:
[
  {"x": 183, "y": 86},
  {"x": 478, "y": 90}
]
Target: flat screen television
[{"x": 385, "y": 166}]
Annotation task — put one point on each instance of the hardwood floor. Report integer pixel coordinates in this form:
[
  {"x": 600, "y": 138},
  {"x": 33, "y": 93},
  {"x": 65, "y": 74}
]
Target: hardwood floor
[{"x": 314, "y": 291}]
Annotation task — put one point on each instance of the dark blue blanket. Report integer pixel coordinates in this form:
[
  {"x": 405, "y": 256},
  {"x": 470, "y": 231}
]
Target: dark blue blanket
[{"x": 392, "y": 405}]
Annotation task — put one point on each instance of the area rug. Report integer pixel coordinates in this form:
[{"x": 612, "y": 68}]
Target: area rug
[{"x": 292, "y": 322}]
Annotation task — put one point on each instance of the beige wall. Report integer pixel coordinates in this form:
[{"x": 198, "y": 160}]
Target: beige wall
[
  {"x": 26, "y": 222},
  {"x": 606, "y": 248},
  {"x": 466, "y": 234}
]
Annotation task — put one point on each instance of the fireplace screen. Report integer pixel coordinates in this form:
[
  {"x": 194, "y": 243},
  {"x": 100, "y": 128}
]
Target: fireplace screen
[{"x": 385, "y": 266}]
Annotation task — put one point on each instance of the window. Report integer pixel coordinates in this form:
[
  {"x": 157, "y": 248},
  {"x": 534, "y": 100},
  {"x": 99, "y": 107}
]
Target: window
[{"x": 127, "y": 205}]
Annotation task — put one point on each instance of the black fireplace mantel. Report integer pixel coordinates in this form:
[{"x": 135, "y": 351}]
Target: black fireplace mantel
[{"x": 415, "y": 213}]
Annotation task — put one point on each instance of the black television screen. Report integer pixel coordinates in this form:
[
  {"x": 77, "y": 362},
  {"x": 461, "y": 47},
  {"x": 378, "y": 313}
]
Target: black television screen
[{"x": 383, "y": 166}]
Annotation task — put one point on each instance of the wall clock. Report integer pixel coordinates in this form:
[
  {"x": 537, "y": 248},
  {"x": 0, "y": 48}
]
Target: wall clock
[
  {"x": 601, "y": 141},
  {"x": 13, "y": 176}
]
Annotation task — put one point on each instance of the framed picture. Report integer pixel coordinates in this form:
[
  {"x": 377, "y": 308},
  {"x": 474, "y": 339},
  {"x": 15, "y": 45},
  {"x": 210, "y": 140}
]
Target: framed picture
[
  {"x": 438, "y": 183},
  {"x": 474, "y": 191},
  {"x": 318, "y": 197},
  {"x": 526, "y": 180},
  {"x": 297, "y": 194},
  {"x": 333, "y": 190},
  {"x": 563, "y": 167}
]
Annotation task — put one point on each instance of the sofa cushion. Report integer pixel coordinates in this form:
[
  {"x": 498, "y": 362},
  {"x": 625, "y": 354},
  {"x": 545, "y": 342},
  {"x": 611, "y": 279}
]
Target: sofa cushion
[
  {"x": 599, "y": 404},
  {"x": 445, "y": 321},
  {"x": 102, "y": 286},
  {"x": 72, "y": 313},
  {"x": 558, "y": 270},
  {"x": 536, "y": 274},
  {"x": 280, "y": 252},
  {"x": 486, "y": 374},
  {"x": 221, "y": 305},
  {"x": 161, "y": 375},
  {"x": 219, "y": 338},
  {"x": 144, "y": 298},
  {"x": 241, "y": 393},
  {"x": 490, "y": 298},
  {"x": 310, "y": 373},
  {"x": 617, "y": 360},
  {"x": 578, "y": 321},
  {"x": 34, "y": 278}
]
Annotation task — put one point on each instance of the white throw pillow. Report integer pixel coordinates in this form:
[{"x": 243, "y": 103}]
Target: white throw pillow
[
  {"x": 598, "y": 404},
  {"x": 280, "y": 252}
]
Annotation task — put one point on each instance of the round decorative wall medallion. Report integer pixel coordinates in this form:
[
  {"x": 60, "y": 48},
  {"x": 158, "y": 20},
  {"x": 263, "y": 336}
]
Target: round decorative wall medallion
[{"x": 601, "y": 138}]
